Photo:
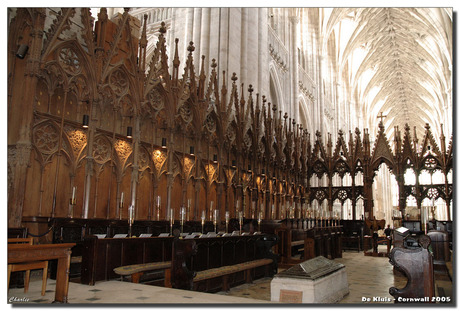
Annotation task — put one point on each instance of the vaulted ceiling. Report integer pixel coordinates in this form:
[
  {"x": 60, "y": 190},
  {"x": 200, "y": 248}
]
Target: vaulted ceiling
[{"x": 398, "y": 62}]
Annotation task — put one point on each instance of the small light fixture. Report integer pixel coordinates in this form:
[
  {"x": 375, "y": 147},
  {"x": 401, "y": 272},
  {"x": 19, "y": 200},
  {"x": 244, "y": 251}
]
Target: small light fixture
[
  {"x": 249, "y": 168},
  {"x": 233, "y": 163},
  {"x": 192, "y": 150},
  {"x": 263, "y": 172},
  {"x": 215, "y": 158},
  {"x": 163, "y": 142},
  {"x": 22, "y": 51},
  {"x": 129, "y": 132},
  {"x": 85, "y": 122}
]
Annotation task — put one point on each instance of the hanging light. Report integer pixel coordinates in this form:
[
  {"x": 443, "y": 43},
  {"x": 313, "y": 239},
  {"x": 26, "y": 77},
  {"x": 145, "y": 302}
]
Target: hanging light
[
  {"x": 163, "y": 142},
  {"x": 85, "y": 122},
  {"x": 129, "y": 132},
  {"x": 22, "y": 51},
  {"x": 215, "y": 158},
  {"x": 192, "y": 150}
]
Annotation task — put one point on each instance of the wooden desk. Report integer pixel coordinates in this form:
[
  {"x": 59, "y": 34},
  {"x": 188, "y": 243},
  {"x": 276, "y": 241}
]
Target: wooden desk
[{"x": 23, "y": 253}]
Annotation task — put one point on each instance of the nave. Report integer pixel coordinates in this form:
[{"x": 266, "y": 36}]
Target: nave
[{"x": 367, "y": 277}]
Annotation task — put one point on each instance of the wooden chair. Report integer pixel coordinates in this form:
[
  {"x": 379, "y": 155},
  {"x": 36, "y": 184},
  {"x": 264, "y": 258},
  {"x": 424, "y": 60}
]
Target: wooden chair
[{"x": 27, "y": 266}]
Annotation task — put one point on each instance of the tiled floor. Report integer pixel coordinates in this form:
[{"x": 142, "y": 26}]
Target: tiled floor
[
  {"x": 368, "y": 277},
  {"x": 116, "y": 292}
]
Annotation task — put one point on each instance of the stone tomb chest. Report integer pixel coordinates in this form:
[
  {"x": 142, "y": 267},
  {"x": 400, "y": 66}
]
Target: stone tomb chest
[{"x": 318, "y": 280}]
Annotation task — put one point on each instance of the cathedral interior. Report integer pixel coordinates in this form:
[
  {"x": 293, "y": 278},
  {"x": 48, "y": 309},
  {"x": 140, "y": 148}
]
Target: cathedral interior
[{"x": 313, "y": 129}]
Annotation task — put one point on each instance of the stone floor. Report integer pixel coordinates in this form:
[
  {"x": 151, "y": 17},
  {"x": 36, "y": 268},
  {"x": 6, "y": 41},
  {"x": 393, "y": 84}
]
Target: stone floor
[{"x": 368, "y": 277}]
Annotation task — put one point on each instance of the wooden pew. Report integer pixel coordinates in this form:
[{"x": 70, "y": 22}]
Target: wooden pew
[
  {"x": 213, "y": 264},
  {"x": 101, "y": 256},
  {"x": 17, "y": 278},
  {"x": 417, "y": 265},
  {"x": 327, "y": 241},
  {"x": 75, "y": 230},
  {"x": 352, "y": 234},
  {"x": 441, "y": 251},
  {"x": 136, "y": 271}
]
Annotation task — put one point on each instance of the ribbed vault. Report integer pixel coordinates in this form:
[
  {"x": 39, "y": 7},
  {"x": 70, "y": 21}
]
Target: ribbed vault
[{"x": 399, "y": 63}]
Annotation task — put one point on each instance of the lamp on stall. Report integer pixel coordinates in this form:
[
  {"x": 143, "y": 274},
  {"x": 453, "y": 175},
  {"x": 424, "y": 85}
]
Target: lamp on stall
[
  {"x": 192, "y": 150},
  {"x": 249, "y": 168},
  {"x": 129, "y": 132},
  {"x": 233, "y": 163},
  {"x": 163, "y": 143},
  {"x": 22, "y": 51},
  {"x": 215, "y": 158},
  {"x": 85, "y": 122}
]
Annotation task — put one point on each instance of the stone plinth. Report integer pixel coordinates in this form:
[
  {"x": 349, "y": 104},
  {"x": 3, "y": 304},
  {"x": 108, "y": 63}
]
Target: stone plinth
[{"x": 318, "y": 280}]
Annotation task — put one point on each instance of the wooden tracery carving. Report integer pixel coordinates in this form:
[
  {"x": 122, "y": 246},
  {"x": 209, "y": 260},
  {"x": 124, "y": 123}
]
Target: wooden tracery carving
[{"x": 99, "y": 69}]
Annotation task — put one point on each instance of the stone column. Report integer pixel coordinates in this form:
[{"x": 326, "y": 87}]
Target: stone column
[
  {"x": 204, "y": 40},
  {"x": 294, "y": 107},
  {"x": 189, "y": 14},
  {"x": 243, "y": 44},
  {"x": 235, "y": 42},
  {"x": 222, "y": 61},
  {"x": 253, "y": 49},
  {"x": 170, "y": 36},
  {"x": 197, "y": 30},
  {"x": 214, "y": 35},
  {"x": 263, "y": 72}
]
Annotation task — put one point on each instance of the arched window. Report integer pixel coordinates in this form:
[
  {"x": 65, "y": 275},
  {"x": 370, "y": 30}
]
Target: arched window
[{"x": 409, "y": 177}]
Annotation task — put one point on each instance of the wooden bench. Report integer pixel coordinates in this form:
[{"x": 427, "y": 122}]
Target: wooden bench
[
  {"x": 417, "y": 265},
  {"x": 229, "y": 261},
  {"x": 351, "y": 243},
  {"x": 226, "y": 271},
  {"x": 136, "y": 271}
]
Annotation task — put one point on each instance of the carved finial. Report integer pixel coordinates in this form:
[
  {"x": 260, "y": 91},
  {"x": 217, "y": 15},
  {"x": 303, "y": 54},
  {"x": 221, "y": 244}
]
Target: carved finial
[
  {"x": 234, "y": 77},
  {"x": 190, "y": 47},
  {"x": 202, "y": 75},
  {"x": 176, "y": 61},
  {"x": 163, "y": 28},
  {"x": 285, "y": 115},
  {"x": 293, "y": 122},
  {"x": 213, "y": 63},
  {"x": 102, "y": 15},
  {"x": 264, "y": 100},
  {"x": 250, "y": 89}
]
